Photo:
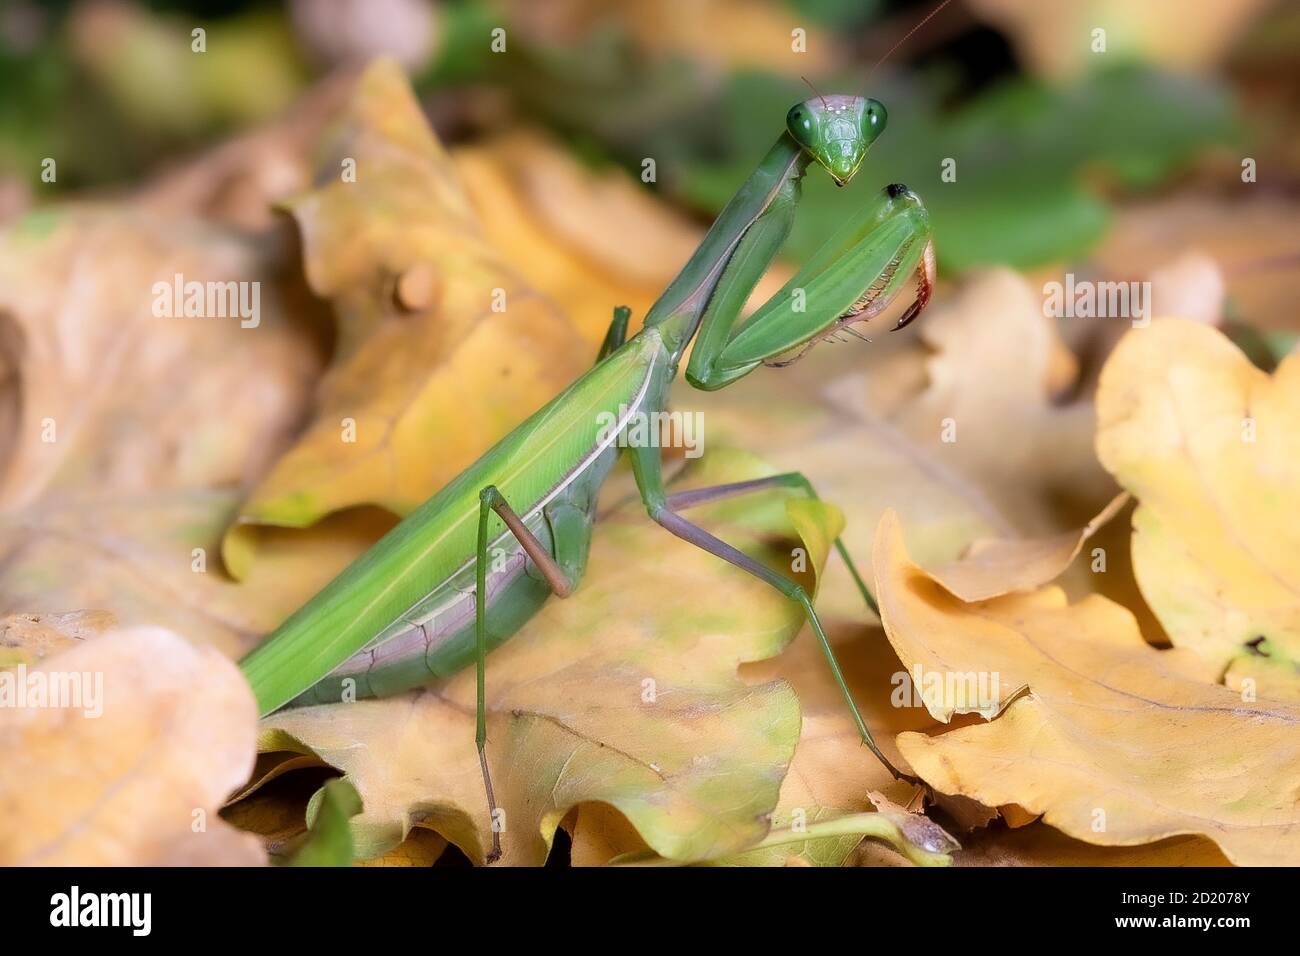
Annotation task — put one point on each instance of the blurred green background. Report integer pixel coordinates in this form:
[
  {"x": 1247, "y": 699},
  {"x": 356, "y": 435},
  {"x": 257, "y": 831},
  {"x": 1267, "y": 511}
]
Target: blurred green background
[{"x": 1048, "y": 133}]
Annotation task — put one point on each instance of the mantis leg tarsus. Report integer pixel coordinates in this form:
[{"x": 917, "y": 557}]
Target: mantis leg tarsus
[{"x": 491, "y": 500}]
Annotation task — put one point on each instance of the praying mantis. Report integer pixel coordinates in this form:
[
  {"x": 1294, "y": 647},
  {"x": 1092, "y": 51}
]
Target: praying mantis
[{"x": 425, "y": 602}]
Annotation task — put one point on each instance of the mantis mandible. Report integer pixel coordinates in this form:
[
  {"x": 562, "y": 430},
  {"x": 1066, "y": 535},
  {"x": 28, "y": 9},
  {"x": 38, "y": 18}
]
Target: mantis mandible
[{"x": 423, "y": 604}]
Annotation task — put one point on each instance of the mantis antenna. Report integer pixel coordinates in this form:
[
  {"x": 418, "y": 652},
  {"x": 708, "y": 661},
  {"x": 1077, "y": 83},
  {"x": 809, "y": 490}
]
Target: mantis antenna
[
  {"x": 907, "y": 36},
  {"x": 816, "y": 92}
]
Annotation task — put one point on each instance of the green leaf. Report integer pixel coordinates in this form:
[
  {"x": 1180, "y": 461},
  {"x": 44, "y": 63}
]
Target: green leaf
[{"x": 329, "y": 838}]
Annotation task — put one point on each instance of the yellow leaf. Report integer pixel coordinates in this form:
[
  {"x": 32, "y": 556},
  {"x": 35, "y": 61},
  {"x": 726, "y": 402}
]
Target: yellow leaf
[
  {"x": 421, "y": 848},
  {"x": 589, "y": 239},
  {"x": 1210, "y": 447},
  {"x": 1112, "y": 741},
  {"x": 429, "y": 313}
]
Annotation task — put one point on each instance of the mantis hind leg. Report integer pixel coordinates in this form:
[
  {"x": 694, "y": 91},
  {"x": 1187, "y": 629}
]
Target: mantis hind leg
[
  {"x": 649, "y": 477},
  {"x": 561, "y": 583},
  {"x": 790, "y": 479}
]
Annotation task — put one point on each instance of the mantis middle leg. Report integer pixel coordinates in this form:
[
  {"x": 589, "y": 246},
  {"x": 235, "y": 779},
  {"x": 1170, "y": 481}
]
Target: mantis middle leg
[
  {"x": 649, "y": 478},
  {"x": 561, "y": 582},
  {"x": 681, "y": 500},
  {"x": 616, "y": 335}
]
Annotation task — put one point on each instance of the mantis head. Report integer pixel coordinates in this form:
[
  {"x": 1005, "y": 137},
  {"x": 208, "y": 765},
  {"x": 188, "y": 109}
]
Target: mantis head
[{"x": 837, "y": 131}]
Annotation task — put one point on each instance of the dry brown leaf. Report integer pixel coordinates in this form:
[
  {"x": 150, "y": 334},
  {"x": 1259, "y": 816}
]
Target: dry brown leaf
[
  {"x": 1056, "y": 39},
  {"x": 997, "y": 566},
  {"x": 729, "y": 33},
  {"x": 1113, "y": 742},
  {"x": 1041, "y": 845},
  {"x": 30, "y": 638},
  {"x": 108, "y": 390},
  {"x": 1252, "y": 239},
  {"x": 987, "y": 410},
  {"x": 128, "y": 447},
  {"x": 161, "y": 732}
]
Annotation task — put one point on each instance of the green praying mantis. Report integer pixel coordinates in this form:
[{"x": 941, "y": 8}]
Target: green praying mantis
[{"x": 425, "y": 602}]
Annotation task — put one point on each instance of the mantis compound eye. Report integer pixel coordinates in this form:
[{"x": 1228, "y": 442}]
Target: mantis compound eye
[
  {"x": 874, "y": 116},
  {"x": 799, "y": 121}
]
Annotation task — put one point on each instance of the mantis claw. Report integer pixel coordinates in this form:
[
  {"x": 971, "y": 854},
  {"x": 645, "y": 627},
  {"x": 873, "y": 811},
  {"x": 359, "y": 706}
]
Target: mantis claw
[{"x": 925, "y": 271}]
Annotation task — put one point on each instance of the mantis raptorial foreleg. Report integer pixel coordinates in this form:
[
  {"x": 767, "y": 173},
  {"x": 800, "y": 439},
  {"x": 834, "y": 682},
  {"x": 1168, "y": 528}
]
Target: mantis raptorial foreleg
[
  {"x": 561, "y": 584},
  {"x": 648, "y": 469},
  {"x": 887, "y": 244}
]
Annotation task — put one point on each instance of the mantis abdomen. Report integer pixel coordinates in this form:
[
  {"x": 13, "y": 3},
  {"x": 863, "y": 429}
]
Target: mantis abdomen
[
  {"x": 436, "y": 638},
  {"x": 548, "y": 469}
]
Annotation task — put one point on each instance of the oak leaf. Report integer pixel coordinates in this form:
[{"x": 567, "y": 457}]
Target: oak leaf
[{"x": 1112, "y": 741}]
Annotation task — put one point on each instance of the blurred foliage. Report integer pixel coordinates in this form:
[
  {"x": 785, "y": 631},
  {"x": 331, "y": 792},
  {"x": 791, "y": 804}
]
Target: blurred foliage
[
  {"x": 104, "y": 88},
  {"x": 840, "y": 14},
  {"x": 1033, "y": 159},
  {"x": 1037, "y": 163},
  {"x": 1025, "y": 150}
]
